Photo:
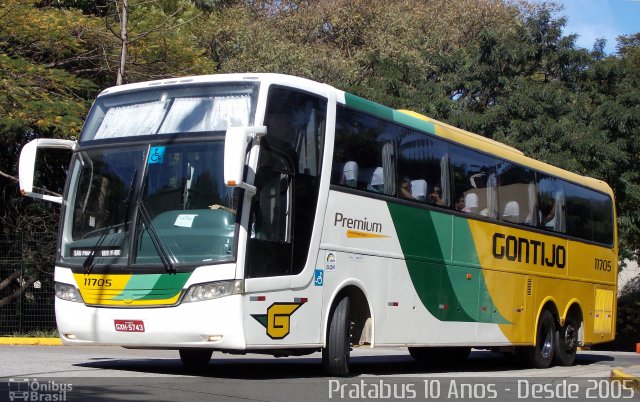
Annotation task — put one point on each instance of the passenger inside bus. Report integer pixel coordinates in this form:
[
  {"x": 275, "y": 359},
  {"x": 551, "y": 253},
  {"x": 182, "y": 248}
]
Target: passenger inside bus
[
  {"x": 405, "y": 188},
  {"x": 436, "y": 195}
]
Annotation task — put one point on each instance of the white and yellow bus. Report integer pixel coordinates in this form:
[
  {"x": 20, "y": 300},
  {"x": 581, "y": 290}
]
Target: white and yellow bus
[{"x": 271, "y": 214}]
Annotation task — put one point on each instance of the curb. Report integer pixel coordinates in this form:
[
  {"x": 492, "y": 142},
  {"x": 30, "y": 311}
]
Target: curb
[
  {"x": 619, "y": 375},
  {"x": 30, "y": 341}
]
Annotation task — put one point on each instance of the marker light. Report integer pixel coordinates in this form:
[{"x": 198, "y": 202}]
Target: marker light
[
  {"x": 67, "y": 292},
  {"x": 213, "y": 290}
]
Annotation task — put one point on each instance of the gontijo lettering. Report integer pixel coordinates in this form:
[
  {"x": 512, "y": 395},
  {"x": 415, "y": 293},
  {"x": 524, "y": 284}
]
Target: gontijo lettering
[
  {"x": 358, "y": 224},
  {"x": 528, "y": 251}
]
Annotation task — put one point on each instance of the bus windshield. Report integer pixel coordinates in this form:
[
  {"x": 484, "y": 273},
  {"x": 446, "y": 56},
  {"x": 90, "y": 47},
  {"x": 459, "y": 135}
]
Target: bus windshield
[
  {"x": 174, "y": 192},
  {"x": 162, "y": 111}
]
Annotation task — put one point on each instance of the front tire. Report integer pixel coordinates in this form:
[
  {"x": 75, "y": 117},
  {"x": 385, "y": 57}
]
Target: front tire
[
  {"x": 541, "y": 355},
  {"x": 567, "y": 343},
  {"x": 335, "y": 356},
  {"x": 195, "y": 358}
]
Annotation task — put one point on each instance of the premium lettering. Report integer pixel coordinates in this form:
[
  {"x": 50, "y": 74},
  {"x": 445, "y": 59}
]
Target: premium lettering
[
  {"x": 528, "y": 251},
  {"x": 357, "y": 224}
]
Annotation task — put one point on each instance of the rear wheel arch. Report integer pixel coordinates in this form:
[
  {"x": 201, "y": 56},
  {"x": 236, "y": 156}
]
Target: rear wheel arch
[
  {"x": 548, "y": 304},
  {"x": 573, "y": 311}
]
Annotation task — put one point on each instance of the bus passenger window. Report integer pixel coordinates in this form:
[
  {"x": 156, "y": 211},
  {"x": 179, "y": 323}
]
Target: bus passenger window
[
  {"x": 364, "y": 154},
  {"x": 475, "y": 179},
  {"x": 579, "y": 220},
  {"x": 552, "y": 204},
  {"x": 602, "y": 215},
  {"x": 423, "y": 166},
  {"x": 516, "y": 194}
]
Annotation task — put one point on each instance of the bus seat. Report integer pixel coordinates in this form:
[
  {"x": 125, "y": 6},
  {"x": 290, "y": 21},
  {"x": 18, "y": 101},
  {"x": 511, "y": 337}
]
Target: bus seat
[
  {"x": 471, "y": 203},
  {"x": 419, "y": 189},
  {"x": 350, "y": 174},
  {"x": 376, "y": 183},
  {"x": 511, "y": 212}
]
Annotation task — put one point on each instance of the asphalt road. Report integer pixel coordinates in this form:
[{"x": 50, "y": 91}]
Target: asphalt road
[{"x": 116, "y": 374}]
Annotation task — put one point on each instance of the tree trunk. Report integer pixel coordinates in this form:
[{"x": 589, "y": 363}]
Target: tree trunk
[
  {"x": 123, "y": 40},
  {"x": 17, "y": 293},
  {"x": 8, "y": 279}
]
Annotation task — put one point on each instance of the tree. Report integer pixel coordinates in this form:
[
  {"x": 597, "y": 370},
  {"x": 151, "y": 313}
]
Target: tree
[
  {"x": 54, "y": 60},
  {"x": 154, "y": 38}
]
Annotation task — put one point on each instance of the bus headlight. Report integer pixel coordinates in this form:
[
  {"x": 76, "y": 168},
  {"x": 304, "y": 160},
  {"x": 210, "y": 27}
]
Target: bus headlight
[
  {"x": 213, "y": 290},
  {"x": 67, "y": 292}
]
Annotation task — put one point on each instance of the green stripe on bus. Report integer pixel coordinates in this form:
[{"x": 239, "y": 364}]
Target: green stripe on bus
[
  {"x": 449, "y": 292},
  {"x": 414, "y": 122},
  {"x": 388, "y": 114},
  {"x": 167, "y": 286},
  {"x": 482, "y": 308},
  {"x": 153, "y": 286},
  {"x": 367, "y": 106},
  {"x": 425, "y": 261}
]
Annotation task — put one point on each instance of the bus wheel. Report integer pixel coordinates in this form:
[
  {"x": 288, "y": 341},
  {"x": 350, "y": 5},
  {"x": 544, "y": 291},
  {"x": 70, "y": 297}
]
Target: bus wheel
[
  {"x": 541, "y": 355},
  {"x": 335, "y": 356},
  {"x": 195, "y": 358},
  {"x": 567, "y": 343}
]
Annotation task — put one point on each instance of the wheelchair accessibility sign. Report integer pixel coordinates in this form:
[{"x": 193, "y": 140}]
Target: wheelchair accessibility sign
[
  {"x": 156, "y": 155},
  {"x": 318, "y": 277}
]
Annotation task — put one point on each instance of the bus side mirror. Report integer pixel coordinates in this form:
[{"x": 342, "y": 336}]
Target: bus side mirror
[
  {"x": 27, "y": 164},
  {"x": 235, "y": 153}
]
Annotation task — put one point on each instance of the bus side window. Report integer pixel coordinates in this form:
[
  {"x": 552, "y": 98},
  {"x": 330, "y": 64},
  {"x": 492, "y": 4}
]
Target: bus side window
[
  {"x": 423, "y": 168},
  {"x": 516, "y": 194},
  {"x": 475, "y": 179},
  {"x": 602, "y": 215},
  {"x": 364, "y": 154},
  {"x": 551, "y": 204},
  {"x": 589, "y": 214}
]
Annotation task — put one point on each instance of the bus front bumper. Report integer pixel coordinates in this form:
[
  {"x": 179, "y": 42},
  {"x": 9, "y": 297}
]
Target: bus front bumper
[{"x": 215, "y": 324}]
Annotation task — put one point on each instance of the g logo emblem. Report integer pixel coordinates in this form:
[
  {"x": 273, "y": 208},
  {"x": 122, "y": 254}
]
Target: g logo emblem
[{"x": 277, "y": 321}]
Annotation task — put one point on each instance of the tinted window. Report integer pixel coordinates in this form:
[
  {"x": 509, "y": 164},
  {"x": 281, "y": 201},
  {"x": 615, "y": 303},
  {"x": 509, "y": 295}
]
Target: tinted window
[
  {"x": 551, "y": 204},
  {"x": 517, "y": 194},
  {"x": 602, "y": 214},
  {"x": 422, "y": 167},
  {"x": 295, "y": 125},
  {"x": 579, "y": 220},
  {"x": 269, "y": 246},
  {"x": 364, "y": 156},
  {"x": 288, "y": 181},
  {"x": 474, "y": 182}
]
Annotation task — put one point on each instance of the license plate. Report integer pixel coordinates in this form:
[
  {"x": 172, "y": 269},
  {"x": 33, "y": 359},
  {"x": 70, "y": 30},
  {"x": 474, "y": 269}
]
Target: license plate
[{"x": 129, "y": 325}]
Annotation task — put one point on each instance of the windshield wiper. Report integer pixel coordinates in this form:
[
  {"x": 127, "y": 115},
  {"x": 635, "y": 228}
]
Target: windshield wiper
[
  {"x": 88, "y": 265},
  {"x": 155, "y": 239}
]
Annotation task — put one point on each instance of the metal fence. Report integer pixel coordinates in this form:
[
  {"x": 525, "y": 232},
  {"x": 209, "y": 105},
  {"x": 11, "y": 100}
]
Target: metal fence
[{"x": 28, "y": 277}]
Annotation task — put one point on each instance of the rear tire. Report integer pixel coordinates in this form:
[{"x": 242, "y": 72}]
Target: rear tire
[
  {"x": 541, "y": 355},
  {"x": 335, "y": 356},
  {"x": 195, "y": 358},
  {"x": 567, "y": 343}
]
